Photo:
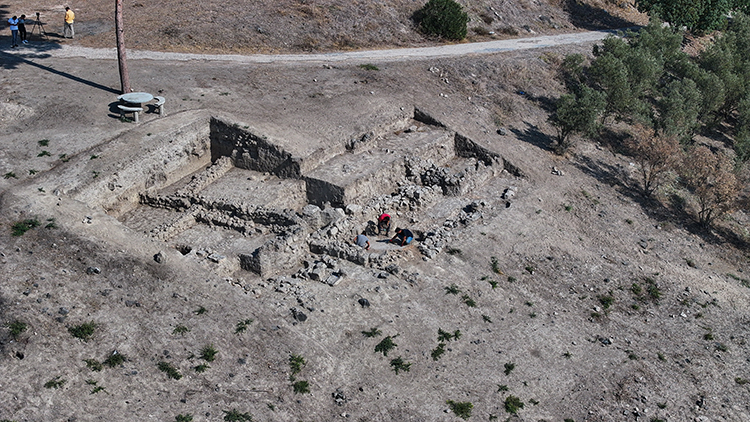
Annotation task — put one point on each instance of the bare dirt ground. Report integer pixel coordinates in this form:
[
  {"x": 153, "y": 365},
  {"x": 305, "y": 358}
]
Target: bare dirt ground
[{"x": 564, "y": 329}]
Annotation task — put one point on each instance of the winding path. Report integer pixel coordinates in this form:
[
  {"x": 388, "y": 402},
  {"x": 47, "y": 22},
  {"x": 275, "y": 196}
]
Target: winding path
[{"x": 398, "y": 54}]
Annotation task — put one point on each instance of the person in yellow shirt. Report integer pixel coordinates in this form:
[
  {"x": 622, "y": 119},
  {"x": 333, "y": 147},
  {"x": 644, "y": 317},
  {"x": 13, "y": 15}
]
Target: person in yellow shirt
[{"x": 69, "y": 18}]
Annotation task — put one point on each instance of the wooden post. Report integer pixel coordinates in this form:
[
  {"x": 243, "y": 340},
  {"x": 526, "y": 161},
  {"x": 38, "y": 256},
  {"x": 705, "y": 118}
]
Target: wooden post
[{"x": 121, "y": 59}]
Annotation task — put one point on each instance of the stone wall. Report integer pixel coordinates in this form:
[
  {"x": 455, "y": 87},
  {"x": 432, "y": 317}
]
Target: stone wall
[{"x": 250, "y": 151}]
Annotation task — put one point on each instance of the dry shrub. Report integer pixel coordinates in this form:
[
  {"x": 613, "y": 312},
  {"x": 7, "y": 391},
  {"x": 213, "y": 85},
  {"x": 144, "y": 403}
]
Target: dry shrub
[
  {"x": 710, "y": 177},
  {"x": 479, "y": 30},
  {"x": 508, "y": 30},
  {"x": 654, "y": 154}
]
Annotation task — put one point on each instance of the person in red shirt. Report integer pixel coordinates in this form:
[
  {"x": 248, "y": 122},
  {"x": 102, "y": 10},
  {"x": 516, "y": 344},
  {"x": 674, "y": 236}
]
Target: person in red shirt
[{"x": 384, "y": 224}]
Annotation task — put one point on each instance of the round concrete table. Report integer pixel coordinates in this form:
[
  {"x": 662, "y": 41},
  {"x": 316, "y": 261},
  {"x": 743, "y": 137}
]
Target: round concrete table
[{"x": 136, "y": 98}]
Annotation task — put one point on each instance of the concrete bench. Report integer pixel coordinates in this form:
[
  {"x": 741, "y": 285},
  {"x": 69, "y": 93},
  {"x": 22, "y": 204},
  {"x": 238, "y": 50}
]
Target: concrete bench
[
  {"x": 135, "y": 110},
  {"x": 160, "y": 105}
]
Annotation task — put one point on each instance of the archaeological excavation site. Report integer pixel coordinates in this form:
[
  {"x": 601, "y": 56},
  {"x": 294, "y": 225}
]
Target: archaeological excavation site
[{"x": 226, "y": 195}]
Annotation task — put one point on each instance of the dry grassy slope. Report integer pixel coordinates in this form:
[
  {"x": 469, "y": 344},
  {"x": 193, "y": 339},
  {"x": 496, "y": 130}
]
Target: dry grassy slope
[{"x": 306, "y": 25}]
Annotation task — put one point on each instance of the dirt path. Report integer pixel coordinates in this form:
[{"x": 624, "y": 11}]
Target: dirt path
[{"x": 398, "y": 54}]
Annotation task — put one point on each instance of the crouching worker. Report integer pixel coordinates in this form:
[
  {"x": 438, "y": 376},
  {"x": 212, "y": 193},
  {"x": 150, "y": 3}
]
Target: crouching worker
[
  {"x": 403, "y": 237},
  {"x": 384, "y": 224},
  {"x": 362, "y": 241}
]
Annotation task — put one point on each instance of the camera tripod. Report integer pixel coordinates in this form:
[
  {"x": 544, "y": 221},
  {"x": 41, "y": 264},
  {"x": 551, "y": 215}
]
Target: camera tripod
[{"x": 40, "y": 26}]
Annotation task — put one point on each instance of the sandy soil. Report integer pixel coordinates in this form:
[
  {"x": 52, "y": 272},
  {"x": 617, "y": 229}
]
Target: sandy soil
[{"x": 564, "y": 329}]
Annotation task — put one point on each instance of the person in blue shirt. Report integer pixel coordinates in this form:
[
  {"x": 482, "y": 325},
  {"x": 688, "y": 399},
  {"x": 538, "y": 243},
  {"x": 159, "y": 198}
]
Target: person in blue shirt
[
  {"x": 13, "y": 23},
  {"x": 362, "y": 241},
  {"x": 403, "y": 237}
]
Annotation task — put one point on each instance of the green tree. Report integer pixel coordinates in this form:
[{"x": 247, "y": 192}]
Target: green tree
[
  {"x": 576, "y": 114},
  {"x": 678, "y": 109},
  {"x": 695, "y": 15},
  {"x": 444, "y": 18}
]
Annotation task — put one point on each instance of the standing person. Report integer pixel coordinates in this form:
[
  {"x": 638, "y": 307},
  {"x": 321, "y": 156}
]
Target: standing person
[
  {"x": 403, "y": 237},
  {"x": 22, "y": 29},
  {"x": 384, "y": 224},
  {"x": 69, "y": 18},
  {"x": 13, "y": 22}
]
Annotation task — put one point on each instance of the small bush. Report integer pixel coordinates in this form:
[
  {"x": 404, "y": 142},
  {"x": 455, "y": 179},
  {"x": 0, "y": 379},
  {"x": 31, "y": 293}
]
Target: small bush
[
  {"x": 170, "y": 370},
  {"x": 55, "y": 383},
  {"x": 201, "y": 311},
  {"x": 438, "y": 351},
  {"x": 368, "y": 66},
  {"x": 606, "y": 301},
  {"x": 242, "y": 326},
  {"x": 444, "y": 18},
  {"x": 469, "y": 301},
  {"x": 184, "y": 418},
  {"x": 296, "y": 363},
  {"x": 84, "y": 331},
  {"x": 209, "y": 353},
  {"x": 513, "y": 404},
  {"x": 10, "y": 175},
  {"x": 21, "y": 227},
  {"x": 398, "y": 364},
  {"x": 501, "y": 388},
  {"x": 461, "y": 409},
  {"x": 180, "y": 329},
  {"x": 201, "y": 368},
  {"x": 386, "y": 345},
  {"x": 301, "y": 387},
  {"x": 235, "y": 416},
  {"x": 509, "y": 367},
  {"x": 495, "y": 266},
  {"x": 93, "y": 364},
  {"x": 452, "y": 290},
  {"x": 374, "y": 332},
  {"x": 115, "y": 359},
  {"x": 16, "y": 328}
]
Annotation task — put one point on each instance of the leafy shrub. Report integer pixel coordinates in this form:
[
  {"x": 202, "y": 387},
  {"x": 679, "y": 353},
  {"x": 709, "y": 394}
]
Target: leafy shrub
[
  {"x": 372, "y": 333},
  {"x": 444, "y": 18},
  {"x": 114, "y": 359},
  {"x": 242, "y": 326},
  {"x": 170, "y": 370},
  {"x": 513, "y": 404},
  {"x": 438, "y": 351},
  {"x": 16, "y": 328},
  {"x": 83, "y": 331},
  {"x": 296, "y": 363},
  {"x": 398, "y": 364},
  {"x": 93, "y": 364},
  {"x": 184, "y": 418},
  {"x": 461, "y": 409},
  {"x": 235, "y": 416},
  {"x": 386, "y": 345},
  {"x": 301, "y": 387},
  {"x": 209, "y": 353},
  {"x": 55, "y": 383},
  {"x": 21, "y": 227}
]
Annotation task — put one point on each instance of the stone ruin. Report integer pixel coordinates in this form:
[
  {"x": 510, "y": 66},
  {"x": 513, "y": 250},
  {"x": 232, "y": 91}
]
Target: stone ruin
[{"x": 232, "y": 196}]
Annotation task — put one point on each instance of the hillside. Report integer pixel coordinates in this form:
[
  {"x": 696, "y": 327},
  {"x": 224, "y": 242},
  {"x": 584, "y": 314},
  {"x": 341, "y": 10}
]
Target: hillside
[
  {"x": 537, "y": 283},
  {"x": 302, "y": 25}
]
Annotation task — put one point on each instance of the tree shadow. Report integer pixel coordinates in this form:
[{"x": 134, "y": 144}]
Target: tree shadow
[
  {"x": 12, "y": 61},
  {"x": 593, "y": 18},
  {"x": 532, "y": 135},
  {"x": 676, "y": 215}
]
